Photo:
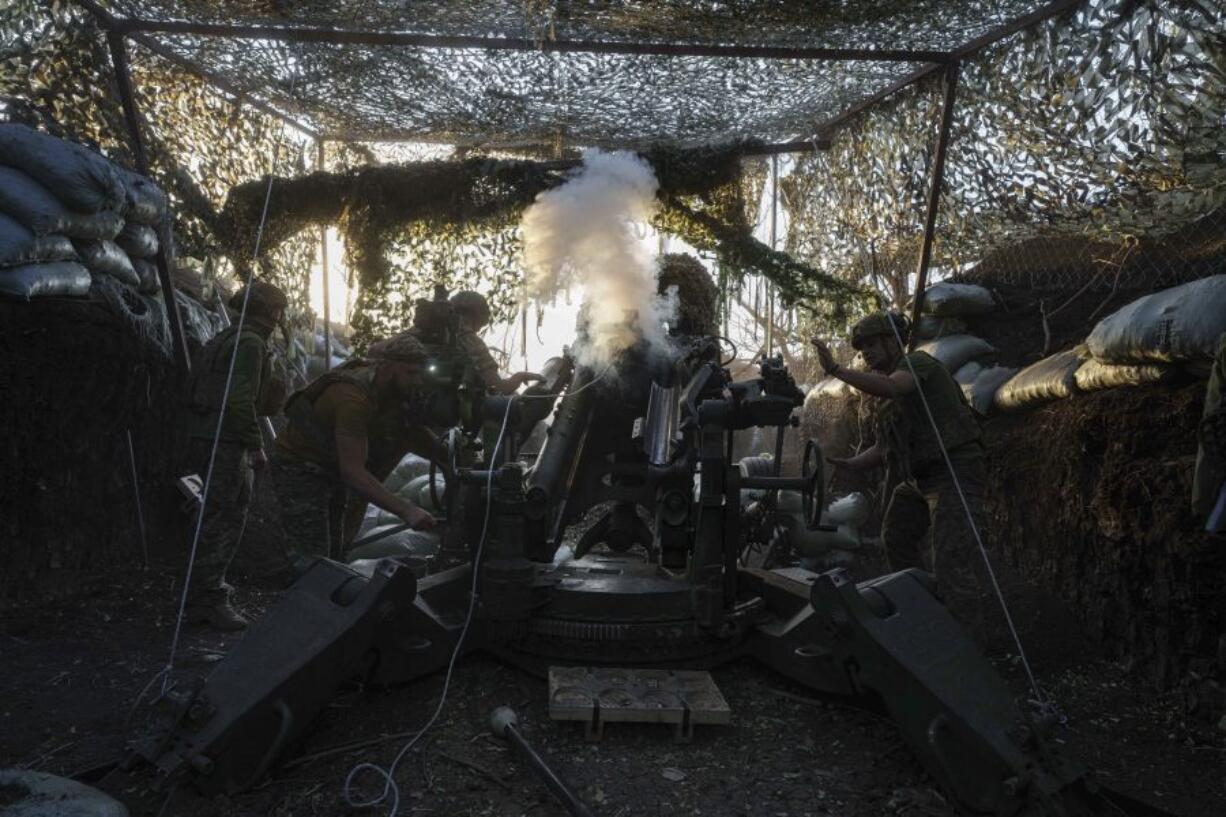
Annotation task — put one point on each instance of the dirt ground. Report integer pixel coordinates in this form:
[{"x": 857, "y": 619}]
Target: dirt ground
[{"x": 73, "y": 669}]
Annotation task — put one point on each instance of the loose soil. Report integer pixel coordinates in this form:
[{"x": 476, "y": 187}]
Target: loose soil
[{"x": 74, "y": 669}]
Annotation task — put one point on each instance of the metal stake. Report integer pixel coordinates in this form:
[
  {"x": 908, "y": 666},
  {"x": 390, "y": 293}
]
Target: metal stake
[
  {"x": 934, "y": 195},
  {"x": 140, "y": 512},
  {"x": 503, "y": 721},
  {"x": 119, "y": 57},
  {"x": 323, "y": 265}
]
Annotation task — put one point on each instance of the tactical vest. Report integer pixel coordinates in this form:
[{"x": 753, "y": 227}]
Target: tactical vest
[
  {"x": 207, "y": 384},
  {"x": 300, "y": 407}
]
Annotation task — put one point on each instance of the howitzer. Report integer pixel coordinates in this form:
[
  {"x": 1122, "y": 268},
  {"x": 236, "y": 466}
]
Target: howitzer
[{"x": 649, "y": 441}]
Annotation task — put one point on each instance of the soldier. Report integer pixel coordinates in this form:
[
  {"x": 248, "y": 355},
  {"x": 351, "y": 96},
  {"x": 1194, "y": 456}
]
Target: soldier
[
  {"x": 474, "y": 313},
  {"x": 925, "y": 500},
  {"x": 326, "y": 446},
  {"x": 239, "y": 447},
  {"x": 1209, "y": 482}
]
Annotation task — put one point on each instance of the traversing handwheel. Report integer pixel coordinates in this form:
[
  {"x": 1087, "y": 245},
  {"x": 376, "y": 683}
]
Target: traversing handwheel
[{"x": 813, "y": 494}]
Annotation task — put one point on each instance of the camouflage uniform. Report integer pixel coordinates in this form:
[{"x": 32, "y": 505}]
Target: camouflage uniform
[
  {"x": 925, "y": 523},
  {"x": 225, "y": 517},
  {"x": 230, "y": 488}
]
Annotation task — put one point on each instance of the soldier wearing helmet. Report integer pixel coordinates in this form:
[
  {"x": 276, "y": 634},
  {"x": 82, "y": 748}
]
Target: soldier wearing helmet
[
  {"x": 473, "y": 312},
  {"x": 326, "y": 448},
  {"x": 235, "y": 398},
  {"x": 922, "y": 412}
]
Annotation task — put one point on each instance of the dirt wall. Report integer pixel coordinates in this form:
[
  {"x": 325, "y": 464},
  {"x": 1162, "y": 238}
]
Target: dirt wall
[
  {"x": 1091, "y": 498},
  {"x": 76, "y": 376}
]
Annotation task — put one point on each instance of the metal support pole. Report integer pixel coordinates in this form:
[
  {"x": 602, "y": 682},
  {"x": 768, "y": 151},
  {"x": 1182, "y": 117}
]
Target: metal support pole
[
  {"x": 119, "y": 57},
  {"x": 934, "y": 195},
  {"x": 770, "y": 292},
  {"x": 323, "y": 266}
]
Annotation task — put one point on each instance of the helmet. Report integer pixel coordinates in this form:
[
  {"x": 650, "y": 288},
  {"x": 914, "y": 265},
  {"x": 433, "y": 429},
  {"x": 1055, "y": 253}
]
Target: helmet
[
  {"x": 265, "y": 298},
  {"x": 404, "y": 348},
  {"x": 472, "y": 304},
  {"x": 879, "y": 323}
]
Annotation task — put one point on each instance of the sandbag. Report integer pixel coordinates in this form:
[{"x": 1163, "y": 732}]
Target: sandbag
[
  {"x": 967, "y": 374},
  {"x": 106, "y": 258},
  {"x": 199, "y": 324},
  {"x": 82, "y": 179},
  {"x": 19, "y": 246},
  {"x": 949, "y": 300},
  {"x": 401, "y": 543},
  {"x": 1176, "y": 324},
  {"x": 144, "y": 201},
  {"x": 930, "y": 326},
  {"x": 955, "y": 351},
  {"x": 137, "y": 240},
  {"x": 1094, "y": 374},
  {"x": 981, "y": 392},
  {"x": 34, "y": 206},
  {"x": 831, "y": 387},
  {"x": 1052, "y": 378},
  {"x": 62, "y": 278},
  {"x": 147, "y": 272},
  {"x": 409, "y": 468}
]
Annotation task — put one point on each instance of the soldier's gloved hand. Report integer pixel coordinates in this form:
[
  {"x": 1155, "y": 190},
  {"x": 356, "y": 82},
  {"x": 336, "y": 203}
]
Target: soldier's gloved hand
[
  {"x": 417, "y": 519},
  {"x": 258, "y": 459},
  {"x": 824, "y": 356}
]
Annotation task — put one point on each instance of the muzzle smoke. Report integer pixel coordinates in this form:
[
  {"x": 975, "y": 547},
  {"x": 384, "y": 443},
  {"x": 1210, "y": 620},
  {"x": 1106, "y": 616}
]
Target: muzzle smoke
[{"x": 588, "y": 233}]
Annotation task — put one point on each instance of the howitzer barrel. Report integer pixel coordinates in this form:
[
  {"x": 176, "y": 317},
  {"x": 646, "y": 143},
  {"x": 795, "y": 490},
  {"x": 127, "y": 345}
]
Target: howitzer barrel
[{"x": 563, "y": 444}]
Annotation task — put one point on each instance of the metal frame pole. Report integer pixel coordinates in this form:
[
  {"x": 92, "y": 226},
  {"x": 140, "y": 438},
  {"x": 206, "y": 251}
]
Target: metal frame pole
[
  {"x": 119, "y": 58},
  {"x": 323, "y": 266},
  {"x": 770, "y": 292},
  {"x": 934, "y": 196}
]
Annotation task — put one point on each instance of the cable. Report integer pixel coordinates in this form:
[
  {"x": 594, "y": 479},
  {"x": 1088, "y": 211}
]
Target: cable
[
  {"x": 388, "y": 774},
  {"x": 579, "y": 390},
  {"x": 221, "y": 414},
  {"x": 970, "y": 519}
]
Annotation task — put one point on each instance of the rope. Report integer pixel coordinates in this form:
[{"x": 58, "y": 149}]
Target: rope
[
  {"x": 389, "y": 783},
  {"x": 221, "y": 416},
  {"x": 970, "y": 519}
]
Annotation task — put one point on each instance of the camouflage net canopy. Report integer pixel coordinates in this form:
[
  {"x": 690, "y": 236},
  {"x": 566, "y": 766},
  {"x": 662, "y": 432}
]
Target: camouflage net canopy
[
  {"x": 469, "y": 96},
  {"x": 1103, "y": 123},
  {"x": 1083, "y": 150}
]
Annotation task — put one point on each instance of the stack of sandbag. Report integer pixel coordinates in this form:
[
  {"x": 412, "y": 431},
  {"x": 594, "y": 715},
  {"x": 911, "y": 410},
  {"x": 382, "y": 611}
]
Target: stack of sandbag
[
  {"x": 1148, "y": 340},
  {"x": 942, "y": 331},
  {"x": 341, "y": 351},
  {"x": 1052, "y": 378},
  {"x": 69, "y": 214}
]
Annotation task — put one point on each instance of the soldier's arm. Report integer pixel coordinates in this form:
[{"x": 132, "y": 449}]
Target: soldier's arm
[
  {"x": 872, "y": 458},
  {"x": 351, "y": 453},
  {"x": 876, "y": 383},
  {"x": 241, "y": 419}
]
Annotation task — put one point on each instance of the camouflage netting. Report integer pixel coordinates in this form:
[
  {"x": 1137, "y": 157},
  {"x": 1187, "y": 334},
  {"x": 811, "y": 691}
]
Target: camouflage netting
[
  {"x": 409, "y": 226},
  {"x": 55, "y": 73},
  {"x": 470, "y": 96},
  {"x": 1085, "y": 147}
]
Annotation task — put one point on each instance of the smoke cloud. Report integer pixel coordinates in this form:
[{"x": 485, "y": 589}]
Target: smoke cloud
[{"x": 587, "y": 234}]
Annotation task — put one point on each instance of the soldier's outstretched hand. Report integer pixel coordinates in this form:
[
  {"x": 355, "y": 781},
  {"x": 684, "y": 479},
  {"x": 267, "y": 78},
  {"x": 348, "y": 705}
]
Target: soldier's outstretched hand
[{"x": 824, "y": 355}]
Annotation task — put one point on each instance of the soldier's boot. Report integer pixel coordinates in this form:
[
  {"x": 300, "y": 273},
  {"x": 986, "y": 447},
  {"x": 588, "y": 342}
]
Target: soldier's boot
[{"x": 216, "y": 611}]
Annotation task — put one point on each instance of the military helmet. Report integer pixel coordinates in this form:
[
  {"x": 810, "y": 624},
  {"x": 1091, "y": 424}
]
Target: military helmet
[
  {"x": 265, "y": 298},
  {"x": 877, "y": 324},
  {"x": 404, "y": 348},
  {"x": 471, "y": 303}
]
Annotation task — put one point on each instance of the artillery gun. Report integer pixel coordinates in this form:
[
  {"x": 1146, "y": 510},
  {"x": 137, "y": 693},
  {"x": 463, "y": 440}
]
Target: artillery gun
[{"x": 646, "y": 446}]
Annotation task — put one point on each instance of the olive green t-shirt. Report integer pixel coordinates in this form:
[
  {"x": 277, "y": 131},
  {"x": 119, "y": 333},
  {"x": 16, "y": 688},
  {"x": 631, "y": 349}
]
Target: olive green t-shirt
[
  {"x": 343, "y": 408},
  {"x": 907, "y": 431}
]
